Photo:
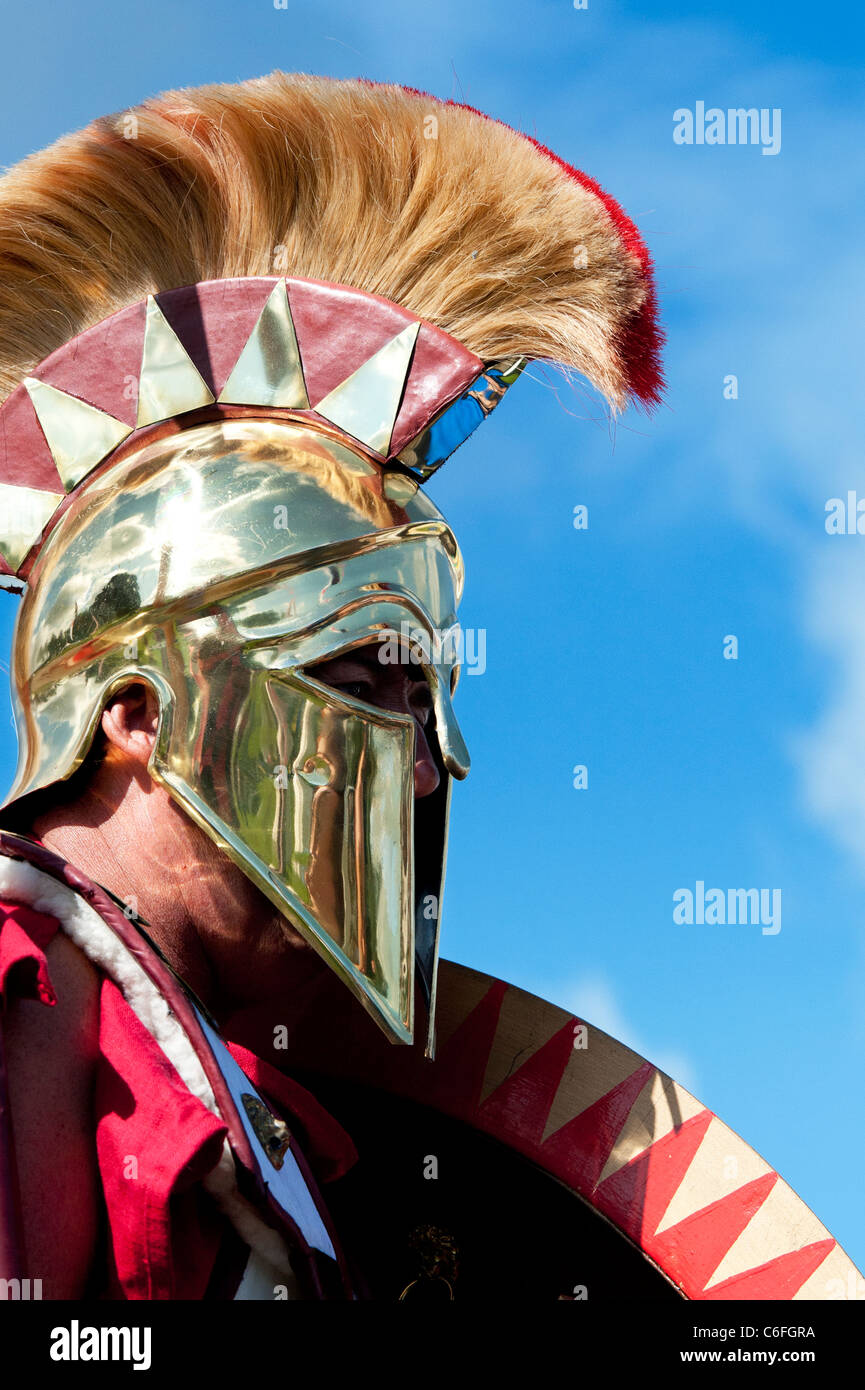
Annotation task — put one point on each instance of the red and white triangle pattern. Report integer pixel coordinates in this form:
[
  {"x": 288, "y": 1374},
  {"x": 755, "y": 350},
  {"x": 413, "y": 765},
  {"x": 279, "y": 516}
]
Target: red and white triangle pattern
[{"x": 702, "y": 1205}]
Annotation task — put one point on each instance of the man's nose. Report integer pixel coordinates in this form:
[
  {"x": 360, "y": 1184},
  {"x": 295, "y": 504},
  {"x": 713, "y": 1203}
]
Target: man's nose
[{"x": 426, "y": 774}]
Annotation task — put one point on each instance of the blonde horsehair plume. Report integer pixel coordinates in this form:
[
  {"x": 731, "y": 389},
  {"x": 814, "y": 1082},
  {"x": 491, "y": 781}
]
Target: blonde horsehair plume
[{"x": 431, "y": 205}]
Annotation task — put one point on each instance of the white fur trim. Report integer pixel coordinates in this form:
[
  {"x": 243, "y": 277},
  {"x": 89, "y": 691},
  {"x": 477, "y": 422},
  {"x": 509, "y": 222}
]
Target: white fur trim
[
  {"x": 261, "y": 1281},
  {"x": 23, "y": 882}
]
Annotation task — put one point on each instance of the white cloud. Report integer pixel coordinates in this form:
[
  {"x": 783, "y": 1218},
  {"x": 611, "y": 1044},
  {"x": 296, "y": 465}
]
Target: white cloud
[
  {"x": 592, "y": 998},
  {"x": 831, "y": 754}
]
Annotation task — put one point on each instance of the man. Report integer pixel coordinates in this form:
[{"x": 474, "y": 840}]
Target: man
[
  {"x": 227, "y": 941},
  {"x": 240, "y": 329}
]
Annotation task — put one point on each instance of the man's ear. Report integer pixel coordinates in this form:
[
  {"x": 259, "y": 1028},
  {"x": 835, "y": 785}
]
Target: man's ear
[{"x": 130, "y": 721}]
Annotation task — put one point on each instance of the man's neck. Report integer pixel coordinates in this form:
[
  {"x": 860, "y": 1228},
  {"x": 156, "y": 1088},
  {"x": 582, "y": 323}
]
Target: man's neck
[
  {"x": 121, "y": 833},
  {"x": 224, "y": 939}
]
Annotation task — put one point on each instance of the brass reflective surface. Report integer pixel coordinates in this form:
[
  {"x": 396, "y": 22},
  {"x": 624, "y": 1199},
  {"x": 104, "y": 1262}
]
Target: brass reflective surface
[
  {"x": 453, "y": 424},
  {"x": 216, "y": 565},
  {"x": 268, "y": 370},
  {"x": 24, "y": 513},
  {"x": 78, "y": 435},
  {"x": 170, "y": 383},
  {"x": 365, "y": 405}
]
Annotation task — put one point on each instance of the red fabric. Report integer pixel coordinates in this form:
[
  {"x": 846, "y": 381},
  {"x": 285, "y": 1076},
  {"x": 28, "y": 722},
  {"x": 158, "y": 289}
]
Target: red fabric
[
  {"x": 155, "y": 1141},
  {"x": 24, "y": 936}
]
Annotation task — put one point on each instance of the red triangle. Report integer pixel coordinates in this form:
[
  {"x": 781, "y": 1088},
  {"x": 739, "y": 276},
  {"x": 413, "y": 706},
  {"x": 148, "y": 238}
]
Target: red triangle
[
  {"x": 637, "y": 1195},
  {"x": 25, "y": 458},
  {"x": 461, "y": 1063},
  {"x": 102, "y": 365},
  {"x": 213, "y": 320},
  {"x": 691, "y": 1251},
  {"x": 518, "y": 1108},
  {"x": 780, "y": 1278},
  {"x": 578, "y": 1151},
  {"x": 441, "y": 369},
  {"x": 338, "y": 329}
]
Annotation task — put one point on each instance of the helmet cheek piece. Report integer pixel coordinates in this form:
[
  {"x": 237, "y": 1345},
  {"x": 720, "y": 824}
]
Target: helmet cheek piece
[{"x": 312, "y": 797}]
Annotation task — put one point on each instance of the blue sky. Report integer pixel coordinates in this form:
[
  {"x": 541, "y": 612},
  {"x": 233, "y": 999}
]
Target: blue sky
[{"x": 605, "y": 646}]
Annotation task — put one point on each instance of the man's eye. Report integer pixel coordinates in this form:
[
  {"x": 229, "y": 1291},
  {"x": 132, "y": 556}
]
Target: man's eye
[{"x": 358, "y": 690}]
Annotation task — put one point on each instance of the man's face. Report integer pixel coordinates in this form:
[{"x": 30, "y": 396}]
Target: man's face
[{"x": 399, "y": 687}]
